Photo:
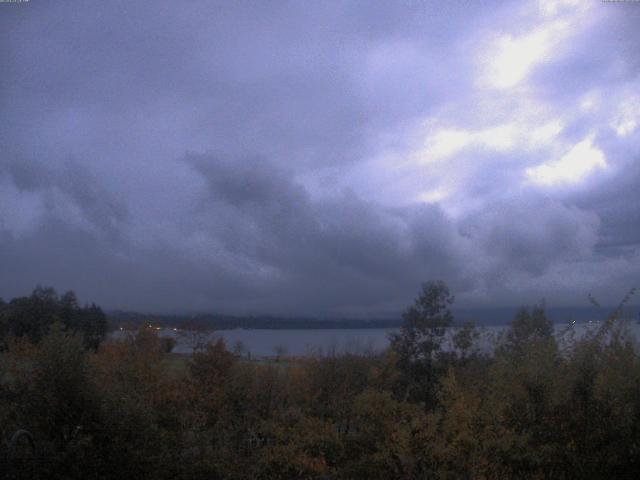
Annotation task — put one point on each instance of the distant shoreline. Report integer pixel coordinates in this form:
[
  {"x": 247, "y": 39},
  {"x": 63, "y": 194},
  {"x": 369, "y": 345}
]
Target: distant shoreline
[{"x": 481, "y": 317}]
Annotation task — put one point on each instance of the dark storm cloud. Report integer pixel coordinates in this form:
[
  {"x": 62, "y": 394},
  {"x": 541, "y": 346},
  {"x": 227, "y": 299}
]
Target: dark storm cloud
[
  {"x": 338, "y": 252},
  {"x": 616, "y": 203},
  {"x": 71, "y": 184},
  {"x": 529, "y": 234},
  {"x": 320, "y": 180}
]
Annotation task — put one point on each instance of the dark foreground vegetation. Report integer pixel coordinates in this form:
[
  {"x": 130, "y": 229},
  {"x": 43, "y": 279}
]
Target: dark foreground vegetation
[{"x": 537, "y": 407}]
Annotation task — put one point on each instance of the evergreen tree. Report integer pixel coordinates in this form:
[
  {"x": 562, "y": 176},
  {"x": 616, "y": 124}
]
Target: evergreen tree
[{"x": 418, "y": 345}]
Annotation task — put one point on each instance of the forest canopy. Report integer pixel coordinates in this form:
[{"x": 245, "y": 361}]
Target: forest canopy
[
  {"x": 540, "y": 404},
  {"x": 33, "y": 316}
]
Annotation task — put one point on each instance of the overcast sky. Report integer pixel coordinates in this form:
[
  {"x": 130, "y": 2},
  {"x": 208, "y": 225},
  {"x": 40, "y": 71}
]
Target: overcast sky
[{"x": 319, "y": 158}]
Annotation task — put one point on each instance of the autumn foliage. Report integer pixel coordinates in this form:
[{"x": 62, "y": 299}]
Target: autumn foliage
[{"x": 536, "y": 406}]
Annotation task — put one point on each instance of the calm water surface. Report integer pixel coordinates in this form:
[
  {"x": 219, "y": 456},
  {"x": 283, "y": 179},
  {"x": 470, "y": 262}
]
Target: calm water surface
[{"x": 265, "y": 343}]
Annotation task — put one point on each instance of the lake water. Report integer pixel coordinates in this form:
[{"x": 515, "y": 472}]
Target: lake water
[
  {"x": 265, "y": 343},
  {"x": 268, "y": 343}
]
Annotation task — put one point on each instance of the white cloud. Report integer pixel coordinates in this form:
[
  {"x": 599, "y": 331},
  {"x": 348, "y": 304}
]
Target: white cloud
[
  {"x": 434, "y": 195},
  {"x": 513, "y": 57},
  {"x": 579, "y": 162},
  {"x": 546, "y": 133},
  {"x": 509, "y": 59},
  {"x": 589, "y": 101},
  {"x": 446, "y": 142},
  {"x": 500, "y": 138},
  {"x": 628, "y": 115},
  {"x": 516, "y": 134}
]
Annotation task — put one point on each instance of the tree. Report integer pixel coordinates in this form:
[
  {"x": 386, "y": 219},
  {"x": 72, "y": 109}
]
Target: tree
[
  {"x": 211, "y": 365},
  {"x": 32, "y": 317},
  {"x": 167, "y": 344},
  {"x": 419, "y": 342},
  {"x": 386, "y": 439},
  {"x": 52, "y": 397},
  {"x": 280, "y": 351},
  {"x": 195, "y": 335},
  {"x": 528, "y": 327},
  {"x": 4, "y": 325},
  {"x": 92, "y": 325},
  {"x": 464, "y": 339}
]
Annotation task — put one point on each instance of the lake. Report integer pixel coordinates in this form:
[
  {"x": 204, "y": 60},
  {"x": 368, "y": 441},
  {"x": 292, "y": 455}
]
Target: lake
[
  {"x": 269, "y": 343},
  {"x": 265, "y": 343}
]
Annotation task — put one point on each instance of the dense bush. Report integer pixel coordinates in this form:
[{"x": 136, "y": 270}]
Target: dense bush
[{"x": 538, "y": 406}]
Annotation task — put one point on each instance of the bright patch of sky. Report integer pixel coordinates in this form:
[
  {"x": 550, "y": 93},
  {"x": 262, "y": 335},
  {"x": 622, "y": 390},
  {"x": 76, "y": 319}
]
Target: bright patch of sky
[
  {"x": 628, "y": 116},
  {"x": 512, "y": 58},
  {"x": 526, "y": 126},
  {"x": 578, "y": 163}
]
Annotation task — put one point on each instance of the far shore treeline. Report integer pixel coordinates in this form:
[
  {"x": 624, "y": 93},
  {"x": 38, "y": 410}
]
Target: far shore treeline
[
  {"x": 76, "y": 403},
  {"x": 479, "y": 316},
  {"x": 227, "y": 322},
  {"x": 32, "y": 316}
]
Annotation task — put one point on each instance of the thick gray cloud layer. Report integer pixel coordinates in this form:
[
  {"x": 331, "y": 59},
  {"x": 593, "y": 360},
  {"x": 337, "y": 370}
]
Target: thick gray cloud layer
[{"x": 319, "y": 158}]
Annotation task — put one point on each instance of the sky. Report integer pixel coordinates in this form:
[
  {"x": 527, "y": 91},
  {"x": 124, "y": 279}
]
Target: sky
[{"x": 319, "y": 158}]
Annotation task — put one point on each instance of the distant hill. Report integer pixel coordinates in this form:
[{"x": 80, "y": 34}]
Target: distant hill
[
  {"x": 480, "y": 316},
  {"x": 225, "y": 322},
  {"x": 504, "y": 315}
]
